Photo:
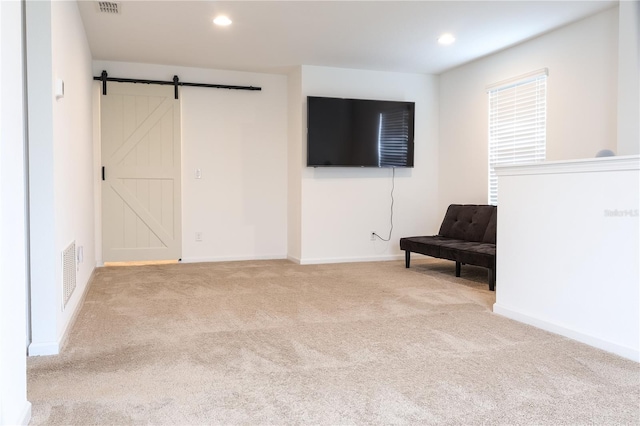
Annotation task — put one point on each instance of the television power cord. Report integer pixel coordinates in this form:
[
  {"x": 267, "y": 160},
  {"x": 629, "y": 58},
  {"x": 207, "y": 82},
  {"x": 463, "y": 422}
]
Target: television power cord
[{"x": 393, "y": 185}]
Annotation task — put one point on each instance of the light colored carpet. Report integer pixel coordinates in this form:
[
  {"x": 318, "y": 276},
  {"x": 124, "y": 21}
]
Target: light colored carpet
[{"x": 272, "y": 342}]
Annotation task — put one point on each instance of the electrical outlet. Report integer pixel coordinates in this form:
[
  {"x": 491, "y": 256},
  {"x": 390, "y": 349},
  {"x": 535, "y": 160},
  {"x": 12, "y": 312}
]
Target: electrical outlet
[
  {"x": 198, "y": 236},
  {"x": 79, "y": 257},
  {"x": 198, "y": 174},
  {"x": 373, "y": 236}
]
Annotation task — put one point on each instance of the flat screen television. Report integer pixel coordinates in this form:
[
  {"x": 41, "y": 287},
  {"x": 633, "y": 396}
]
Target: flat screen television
[{"x": 359, "y": 133}]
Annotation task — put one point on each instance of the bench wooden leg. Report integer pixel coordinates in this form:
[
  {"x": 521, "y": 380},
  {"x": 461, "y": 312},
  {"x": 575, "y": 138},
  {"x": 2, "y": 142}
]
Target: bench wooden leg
[
  {"x": 407, "y": 258},
  {"x": 458, "y": 264},
  {"x": 492, "y": 280}
]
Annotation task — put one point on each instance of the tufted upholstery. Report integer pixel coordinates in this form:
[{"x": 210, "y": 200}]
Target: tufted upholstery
[
  {"x": 490, "y": 233},
  {"x": 466, "y": 222},
  {"x": 467, "y": 236}
]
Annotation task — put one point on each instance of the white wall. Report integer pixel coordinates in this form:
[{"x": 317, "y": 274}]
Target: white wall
[
  {"x": 629, "y": 78},
  {"x": 14, "y": 407},
  {"x": 340, "y": 207},
  {"x": 238, "y": 139},
  {"x": 73, "y": 149},
  {"x": 568, "y": 256},
  {"x": 581, "y": 117},
  {"x": 60, "y": 165},
  {"x": 294, "y": 163},
  {"x": 45, "y": 299}
]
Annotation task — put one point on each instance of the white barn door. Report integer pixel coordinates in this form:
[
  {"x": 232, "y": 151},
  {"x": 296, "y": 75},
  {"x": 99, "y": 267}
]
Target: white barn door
[{"x": 141, "y": 208}]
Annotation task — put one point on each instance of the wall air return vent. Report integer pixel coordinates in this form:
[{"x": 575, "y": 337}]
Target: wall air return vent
[
  {"x": 109, "y": 7},
  {"x": 68, "y": 273}
]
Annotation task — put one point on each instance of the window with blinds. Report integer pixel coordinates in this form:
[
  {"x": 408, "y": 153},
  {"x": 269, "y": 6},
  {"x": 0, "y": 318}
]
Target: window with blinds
[
  {"x": 517, "y": 123},
  {"x": 393, "y": 138}
]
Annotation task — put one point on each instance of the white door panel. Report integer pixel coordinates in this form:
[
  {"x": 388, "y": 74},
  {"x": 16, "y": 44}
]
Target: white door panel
[{"x": 141, "y": 157}]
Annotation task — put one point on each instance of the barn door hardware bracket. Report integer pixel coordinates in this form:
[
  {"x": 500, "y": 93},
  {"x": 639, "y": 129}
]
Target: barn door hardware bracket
[
  {"x": 104, "y": 78},
  {"x": 175, "y": 86}
]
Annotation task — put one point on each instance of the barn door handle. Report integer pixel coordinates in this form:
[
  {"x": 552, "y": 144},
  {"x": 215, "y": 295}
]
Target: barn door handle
[{"x": 102, "y": 172}]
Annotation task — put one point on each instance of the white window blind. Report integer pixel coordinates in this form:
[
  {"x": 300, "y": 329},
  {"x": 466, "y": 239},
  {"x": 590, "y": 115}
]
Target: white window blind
[
  {"x": 393, "y": 138},
  {"x": 517, "y": 123}
]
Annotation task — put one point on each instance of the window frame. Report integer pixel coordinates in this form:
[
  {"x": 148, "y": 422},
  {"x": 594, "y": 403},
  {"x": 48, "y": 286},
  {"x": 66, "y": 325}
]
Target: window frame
[{"x": 517, "y": 122}]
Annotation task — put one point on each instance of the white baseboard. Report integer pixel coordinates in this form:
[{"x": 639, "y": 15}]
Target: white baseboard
[
  {"x": 623, "y": 351},
  {"x": 313, "y": 261},
  {"x": 22, "y": 416},
  {"x": 232, "y": 258},
  {"x": 44, "y": 348},
  {"x": 321, "y": 260},
  {"x": 62, "y": 341},
  {"x": 25, "y": 418},
  {"x": 54, "y": 348}
]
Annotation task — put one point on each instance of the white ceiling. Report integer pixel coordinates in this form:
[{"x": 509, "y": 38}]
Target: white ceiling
[{"x": 272, "y": 36}]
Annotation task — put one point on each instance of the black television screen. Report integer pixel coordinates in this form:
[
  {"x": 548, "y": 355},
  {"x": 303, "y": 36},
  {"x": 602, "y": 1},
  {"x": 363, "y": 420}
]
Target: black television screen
[{"x": 359, "y": 133}]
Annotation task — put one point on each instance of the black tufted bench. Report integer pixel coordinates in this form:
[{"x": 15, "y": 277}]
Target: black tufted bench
[{"x": 467, "y": 236}]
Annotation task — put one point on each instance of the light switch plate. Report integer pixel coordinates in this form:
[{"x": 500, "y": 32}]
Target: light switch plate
[{"x": 59, "y": 88}]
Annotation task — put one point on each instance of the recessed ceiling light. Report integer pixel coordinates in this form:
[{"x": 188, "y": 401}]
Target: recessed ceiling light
[
  {"x": 446, "y": 39},
  {"x": 222, "y": 20}
]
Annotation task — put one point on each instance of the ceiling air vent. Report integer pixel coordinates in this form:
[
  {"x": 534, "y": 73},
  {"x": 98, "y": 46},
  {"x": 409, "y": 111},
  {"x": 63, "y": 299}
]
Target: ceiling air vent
[{"x": 109, "y": 7}]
